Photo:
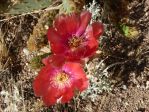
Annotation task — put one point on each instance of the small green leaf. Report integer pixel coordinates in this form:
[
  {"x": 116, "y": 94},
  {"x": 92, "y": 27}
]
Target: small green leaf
[
  {"x": 36, "y": 62},
  {"x": 125, "y": 30},
  {"x": 129, "y": 32}
]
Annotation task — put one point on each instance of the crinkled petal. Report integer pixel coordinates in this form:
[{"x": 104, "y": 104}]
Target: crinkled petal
[
  {"x": 97, "y": 29},
  {"x": 67, "y": 96},
  {"x": 85, "y": 19},
  {"x": 40, "y": 86},
  {"x": 79, "y": 79},
  {"x": 82, "y": 84},
  {"x": 89, "y": 33},
  {"x": 91, "y": 46},
  {"x": 41, "y": 82},
  {"x": 87, "y": 50},
  {"x": 72, "y": 23},
  {"x": 49, "y": 98},
  {"x": 76, "y": 54},
  {"x": 49, "y": 101},
  {"x": 45, "y": 60},
  {"x": 60, "y": 25},
  {"x": 53, "y": 36},
  {"x": 56, "y": 42},
  {"x": 46, "y": 72},
  {"x": 75, "y": 69},
  {"x": 58, "y": 48},
  {"x": 91, "y": 43}
]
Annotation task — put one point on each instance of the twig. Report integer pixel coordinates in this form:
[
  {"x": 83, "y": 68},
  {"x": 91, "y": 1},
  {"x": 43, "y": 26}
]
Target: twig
[
  {"x": 50, "y": 8},
  {"x": 114, "y": 64}
]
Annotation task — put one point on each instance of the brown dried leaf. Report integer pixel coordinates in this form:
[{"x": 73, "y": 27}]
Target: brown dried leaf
[{"x": 38, "y": 38}]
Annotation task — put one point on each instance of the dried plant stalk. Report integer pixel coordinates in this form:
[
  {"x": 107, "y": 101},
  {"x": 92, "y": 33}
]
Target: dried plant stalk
[{"x": 3, "y": 50}]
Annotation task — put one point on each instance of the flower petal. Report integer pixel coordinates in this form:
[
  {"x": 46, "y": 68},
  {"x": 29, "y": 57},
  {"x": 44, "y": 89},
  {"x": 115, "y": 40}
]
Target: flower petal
[
  {"x": 42, "y": 80},
  {"x": 85, "y": 19},
  {"x": 67, "y": 96},
  {"x": 87, "y": 50},
  {"x": 49, "y": 99},
  {"x": 91, "y": 47},
  {"x": 58, "y": 48},
  {"x": 91, "y": 42},
  {"x": 82, "y": 84},
  {"x": 60, "y": 25},
  {"x": 45, "y": 60},
  {"x": 79, "y": 79},
  {"x": 40, "y": 86},
  {"x": 53, "y": 94},
  {"x": 53, "y": 36},
  {"x": 72, "y": 23},
  {"x": 75, "y": 69},
  {"x": 97, "y": 29},
  {"x": 76, "y": 54},
  {"x": 56, "y": 42}
]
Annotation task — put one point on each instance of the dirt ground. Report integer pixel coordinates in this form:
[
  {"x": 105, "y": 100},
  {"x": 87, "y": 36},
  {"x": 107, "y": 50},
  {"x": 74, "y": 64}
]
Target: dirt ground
[{"x": 127, "y": 60}]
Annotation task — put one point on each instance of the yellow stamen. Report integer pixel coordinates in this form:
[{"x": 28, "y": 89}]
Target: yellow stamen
[
  {"x": 61, "y": 78},
  {"x": 75, "y": 42}
]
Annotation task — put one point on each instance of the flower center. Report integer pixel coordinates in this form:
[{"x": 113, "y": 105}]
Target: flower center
[
  {"x": 74, "y": 42},
  {"x": 61, "y": 78}
]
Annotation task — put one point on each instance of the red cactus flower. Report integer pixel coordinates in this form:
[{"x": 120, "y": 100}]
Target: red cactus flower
[
  {"x": 73, "y": 37},
  {"x": 59, "y": 82}
]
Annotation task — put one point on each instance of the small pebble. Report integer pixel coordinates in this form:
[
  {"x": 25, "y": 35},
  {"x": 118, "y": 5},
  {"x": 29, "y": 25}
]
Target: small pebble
[
  {"x": 25, "y": 51},
  {"x": 147, "y": 84},
  {"x": 124, "y": 87},
  {"x": 46, "y": 27}
]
